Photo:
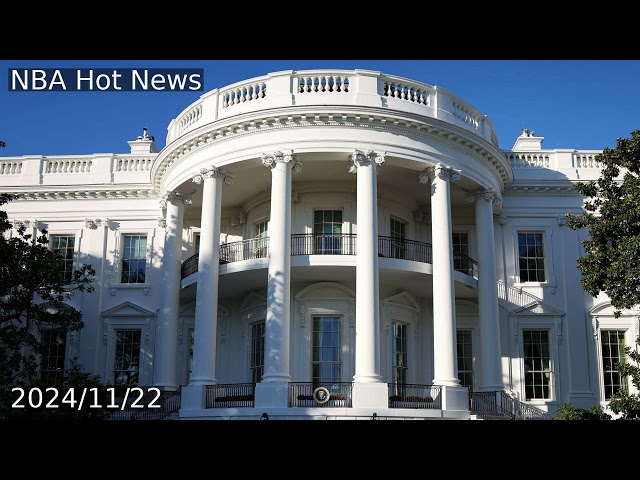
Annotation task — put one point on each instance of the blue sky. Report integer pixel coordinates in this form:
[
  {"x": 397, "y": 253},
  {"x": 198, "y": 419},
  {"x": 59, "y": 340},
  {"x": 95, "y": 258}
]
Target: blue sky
[{"x": 575, "y": 104}]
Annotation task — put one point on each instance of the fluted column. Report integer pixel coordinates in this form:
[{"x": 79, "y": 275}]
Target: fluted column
[
  {"x": 206, "y": 321},
  {"x": 444, "y": 301},
  {"x": 367, "y": 365},
  {"x": 491, "y": 370},
  {"x": 276, "y": 343},
  {"x": 166, "y": 350}
]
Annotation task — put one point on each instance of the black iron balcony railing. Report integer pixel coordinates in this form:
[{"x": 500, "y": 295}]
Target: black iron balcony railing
[
  {"x": 501, "y": 406},
  {"x": 143, "y": 403},
  {"x": 465, "y": 264},
  {"x": 402, "y": 395},
  {"x": 327, "y": 395},
  {"x": 231, "y": 395},
  {"x": 332, "y": 244},
  {"x": 189, "y": 266},
  {"x": 403, "y": 249},
  {"x": 323, "y": 244},
  {"x": 168, "y": 401},
  {"x": 244, "y": 250}
]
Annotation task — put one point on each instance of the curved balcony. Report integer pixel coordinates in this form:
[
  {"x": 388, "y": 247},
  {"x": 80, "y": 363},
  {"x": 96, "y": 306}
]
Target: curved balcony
[
  {"x": 331, "y": 244},
  {"x": 334, "y": 87}
]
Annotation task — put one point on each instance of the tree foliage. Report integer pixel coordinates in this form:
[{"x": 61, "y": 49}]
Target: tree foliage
[
  {"x": 611, "y": 263},
  {"x": 33, "y": 290},
  {"x": 623, "y": 403},
  {"x": 566, "y": 411}
]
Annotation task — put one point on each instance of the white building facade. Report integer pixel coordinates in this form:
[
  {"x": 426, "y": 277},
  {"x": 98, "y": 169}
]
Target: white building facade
[{"x": 330, "y": 244}]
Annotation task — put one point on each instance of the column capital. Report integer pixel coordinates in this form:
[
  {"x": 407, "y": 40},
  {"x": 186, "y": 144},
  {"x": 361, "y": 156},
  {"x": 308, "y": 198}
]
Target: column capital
[
  {"x": 273, "y": 158},
  {"x": 488, "y": 195},
  {"x": 501, "y": 219},
  {"x": 562, "y": 220},
  {"x": 360, "y": 158},
  {"x": 91, "y": 223},
  {"x": 175, "y": 197},
  {"x": 441, "y": 171},
  {"x": 212, "y": 172}
]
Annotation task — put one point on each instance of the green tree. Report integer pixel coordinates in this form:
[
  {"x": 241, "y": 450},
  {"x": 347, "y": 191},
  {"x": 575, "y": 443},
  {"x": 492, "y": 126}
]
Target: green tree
[
  {"x": 2, "y": 144},
  {"x": 566, "y": 411},
  {"x": 623, "y": 403},
  {"x": 611, "y": 263},
  {"x": 33, "y": 290}
]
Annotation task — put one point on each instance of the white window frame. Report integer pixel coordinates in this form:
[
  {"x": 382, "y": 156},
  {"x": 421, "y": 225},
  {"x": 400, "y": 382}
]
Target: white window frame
[
  {"x": 117, "y": 262},
  {"x": 67, "y": 232},
  {"x": 547, "y": 252},
  {"x": 143, "y": 324},
  {"x": 315, "y": 314},
  {"x": 396, "y": 218},
  {"x": 66, "y": 349},
  {"x": 250, "y": 326},
  {"x": 474, "y": 340},
  {"x": 190, "y": 329},
  {"x": 322, "y": 298},
  {"x": 346, "y": 362},
  {"x": 254, "y": 314},
  {"x": 605, "y": 322},
  {"x": 400, "y": 313},
  {"x": 342, "y": 206},
  {"x": 196, "y": 243},
  {"x": 553, "y": 324}
]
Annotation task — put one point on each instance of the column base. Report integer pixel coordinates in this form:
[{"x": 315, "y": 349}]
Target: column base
[
  {"x": 455, "y": 399},
  {"x": 370, "y": 395},
  {"x": 166, "y": 388},
  {"x": 272, "y": 394},
  {"x": 193, "y": 397},
  {"x": 446, "y": 382}
]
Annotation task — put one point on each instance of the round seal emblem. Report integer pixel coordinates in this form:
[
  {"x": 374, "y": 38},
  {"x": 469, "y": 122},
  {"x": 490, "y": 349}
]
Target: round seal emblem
[{"x": 321, "y": 395}]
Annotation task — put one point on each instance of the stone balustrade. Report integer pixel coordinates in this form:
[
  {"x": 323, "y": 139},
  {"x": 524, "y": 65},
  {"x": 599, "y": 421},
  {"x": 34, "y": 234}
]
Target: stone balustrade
[
  {"x": 76, "y": 170},
  {"x": 334, "y": 87}
]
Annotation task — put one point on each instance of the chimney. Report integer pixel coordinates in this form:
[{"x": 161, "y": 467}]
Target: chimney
[
  {"x": 143, "y": 144},
  {"x": 527, "y": 141}
]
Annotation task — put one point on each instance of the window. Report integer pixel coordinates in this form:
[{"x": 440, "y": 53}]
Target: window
[
  {"x": 326, "y": 363},
  {"x": 612, "y": 343},
  {"x": 257, "y": 352},
  {"x": 537, "y": 364},
  {"x": 52, "y": 359},
  {"x": 465, "y": 358},
  {"x": 531, "y": 257},
  {"x": 64, "y": 245},
  {"x": 134, "y": 259},
  {"x": 190, "y": 361},
  {"x": 327, "y": 232},
  {"x": 126, "y": 368},
  {"x": 261, "y": 239},
  {"x": 196, "y": 243},
  {"x": 399, "y": 354},
  {"x": 461, "y": 260},
  {"x": 397, "y": 229}
]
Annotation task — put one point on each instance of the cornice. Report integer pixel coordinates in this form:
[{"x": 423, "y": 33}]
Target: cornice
[
  {"x": 541, "y": 190},
  {"x": 380, "y": 120},
  {"x": 89, "y": 194}
]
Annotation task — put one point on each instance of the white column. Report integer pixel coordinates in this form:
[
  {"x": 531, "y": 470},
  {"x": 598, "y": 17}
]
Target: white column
[
  {"x": 489, "y": 319},
  {"x": 165, "y": 357},
  {"x": 277, "y": 325},
  {"x": 444, "y": 300},
  {"x": 206, "y": 321},
  {"x": 367, "y": 366}
]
